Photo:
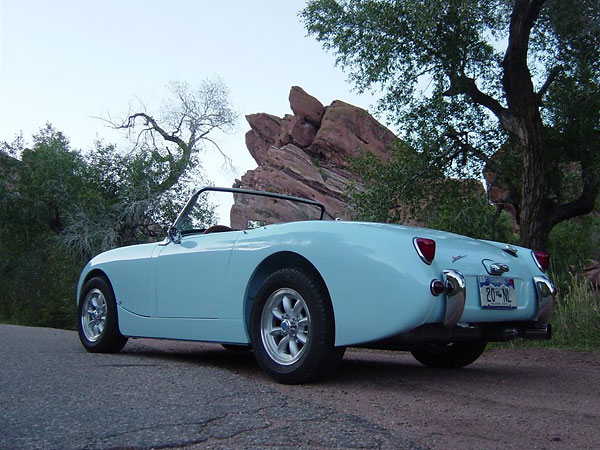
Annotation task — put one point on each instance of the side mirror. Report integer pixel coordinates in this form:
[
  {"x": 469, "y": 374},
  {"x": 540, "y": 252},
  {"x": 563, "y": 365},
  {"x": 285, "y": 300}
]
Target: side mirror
[{"x": 174, "y": 235}]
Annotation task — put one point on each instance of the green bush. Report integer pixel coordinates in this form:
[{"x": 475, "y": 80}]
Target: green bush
[
  {"x": 576, "y": 317},
  {"x": 574, "y": 242},
  {"x": 575, "y": 320}
]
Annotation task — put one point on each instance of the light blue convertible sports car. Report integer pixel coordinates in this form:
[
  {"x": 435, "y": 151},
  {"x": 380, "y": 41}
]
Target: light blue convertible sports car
[{"x": 298, "y": 293}]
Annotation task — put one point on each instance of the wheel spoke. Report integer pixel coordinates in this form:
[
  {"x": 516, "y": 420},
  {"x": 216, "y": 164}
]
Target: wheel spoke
[
  {"x": 298, "y": 307},
  {"x": 301, "y": 337},
  {"x": 303, "y": 322},
  {"x": 294, "y": 347},
  {"x": 276, "y": 332},
  {"x": 287, "y": 304},
  {"x": 277, "y": 313},
  {"x": 283, "y": 344}
]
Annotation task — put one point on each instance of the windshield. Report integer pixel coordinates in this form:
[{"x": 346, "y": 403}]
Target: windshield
[{"x": 238, "y": 209}]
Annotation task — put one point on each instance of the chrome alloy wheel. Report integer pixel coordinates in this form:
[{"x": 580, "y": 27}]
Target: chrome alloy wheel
[
  {"x": 93, "y": 315},
  {"x": 285, "y": 326}
]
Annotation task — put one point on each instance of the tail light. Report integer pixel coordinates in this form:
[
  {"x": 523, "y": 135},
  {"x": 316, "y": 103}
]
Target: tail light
[
  {"x": 542, "y": 260},
  {"x": 425, "y": 249}
]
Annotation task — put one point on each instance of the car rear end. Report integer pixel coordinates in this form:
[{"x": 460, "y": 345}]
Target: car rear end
[{"x": 488, "y": 289}]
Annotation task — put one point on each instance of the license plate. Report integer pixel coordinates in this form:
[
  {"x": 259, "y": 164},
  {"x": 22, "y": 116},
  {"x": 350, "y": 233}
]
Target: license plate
[{"x": 497, "y": 293}]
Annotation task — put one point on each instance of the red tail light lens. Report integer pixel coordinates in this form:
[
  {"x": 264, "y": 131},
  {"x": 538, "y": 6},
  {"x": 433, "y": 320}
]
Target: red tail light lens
[
  {"x": 425, "y": 249},
  {"x": 542, "y": 260}
]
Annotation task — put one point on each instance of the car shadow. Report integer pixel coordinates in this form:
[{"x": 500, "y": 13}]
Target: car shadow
[{"x": 383, "y": 368}]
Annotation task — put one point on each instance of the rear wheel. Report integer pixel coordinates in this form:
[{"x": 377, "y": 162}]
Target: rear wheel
[
  {"x": 451, "y": 355},
  {"x": 293, "y": 329},
  {"x": 97, "y": 318}
]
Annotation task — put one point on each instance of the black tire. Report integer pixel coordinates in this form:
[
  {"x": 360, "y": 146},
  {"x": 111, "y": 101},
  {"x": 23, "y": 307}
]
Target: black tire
[
  {"x": 237, "y": 347},
  {"x": 96, "y": 339},
  {"x": 451, "y": 356},
  {"x": 317, "y": 357}
]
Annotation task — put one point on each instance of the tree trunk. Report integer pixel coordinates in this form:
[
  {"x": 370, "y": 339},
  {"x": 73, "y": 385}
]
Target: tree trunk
[
  {"x": 534, "y": 208},
  {"x": 523, "y": 105}
]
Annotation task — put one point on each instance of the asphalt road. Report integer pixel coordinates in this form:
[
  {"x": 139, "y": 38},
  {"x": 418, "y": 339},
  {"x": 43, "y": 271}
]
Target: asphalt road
[{"x": 169, "y": 394}]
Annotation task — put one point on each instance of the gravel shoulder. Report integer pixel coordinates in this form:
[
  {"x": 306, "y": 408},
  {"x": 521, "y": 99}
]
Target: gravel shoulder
[
  {"x": 172, "y": 394},
  {"x": 521, "y": 398}
]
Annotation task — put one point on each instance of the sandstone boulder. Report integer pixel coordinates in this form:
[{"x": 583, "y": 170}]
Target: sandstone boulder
[
  {"x": 307, "y": 155},
  {"x": 348, "y": 131},
  {"x": 265, "y": 130},
  {"x": 305, "y": 106}
]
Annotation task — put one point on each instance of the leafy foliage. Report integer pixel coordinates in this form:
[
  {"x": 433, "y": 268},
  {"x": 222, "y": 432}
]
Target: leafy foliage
[
  {"x": 575, "y": 320},
  {"x": 574, "y": 243},
  {"x": 59, "y": 207},
  {"x": 408, "y": 189},
  {"x": 510, "y": 86}
]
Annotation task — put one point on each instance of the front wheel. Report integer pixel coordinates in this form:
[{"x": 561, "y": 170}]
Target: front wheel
[
  {"x": 451, "y": 355},
  {"x": 97, "y": 318},
  {"x": 293, "y": 329}
]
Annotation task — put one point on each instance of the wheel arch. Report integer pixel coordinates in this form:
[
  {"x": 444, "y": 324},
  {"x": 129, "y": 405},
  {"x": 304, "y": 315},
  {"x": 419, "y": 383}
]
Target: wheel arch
[
  {"x": 271, "y": 263},
  {"x": 93, "y": 274}
]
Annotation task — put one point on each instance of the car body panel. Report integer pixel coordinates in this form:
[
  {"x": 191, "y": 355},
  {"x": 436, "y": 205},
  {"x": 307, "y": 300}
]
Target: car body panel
[
  {"x": 191, "y": 277},
  {"x": 378, "y": 285},
  {"x": 208, "y": 330},
  {"x": 366, "y": 287},
  {"x": 129, "y": 270}
]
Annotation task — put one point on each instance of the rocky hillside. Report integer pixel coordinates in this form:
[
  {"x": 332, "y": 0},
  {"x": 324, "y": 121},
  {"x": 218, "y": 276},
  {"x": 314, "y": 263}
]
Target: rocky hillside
[{"x": 307, "y": 155}]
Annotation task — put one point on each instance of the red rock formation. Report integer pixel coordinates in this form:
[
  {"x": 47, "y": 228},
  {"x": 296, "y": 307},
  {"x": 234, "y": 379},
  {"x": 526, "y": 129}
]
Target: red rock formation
[
  {"x": 348, "y": 131},
  {"x": 307, "y": 155},
  {"x": 306, "y": 107}
]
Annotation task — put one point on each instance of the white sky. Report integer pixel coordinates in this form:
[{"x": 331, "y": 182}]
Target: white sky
[{"x": 66, "y": 62}]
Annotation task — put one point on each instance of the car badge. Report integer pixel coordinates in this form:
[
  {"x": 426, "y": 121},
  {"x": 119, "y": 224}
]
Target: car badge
[{"x": 456, "y": 258}]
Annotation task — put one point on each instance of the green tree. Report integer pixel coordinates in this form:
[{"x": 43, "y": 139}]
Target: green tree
[
  {"x": 140, "y": 192},
  {"x": 59, "y": 207},
  {"x": 38, "y": 187},
  {"x": 530, "y": 112},
  {"x": 397, "y": 192}
]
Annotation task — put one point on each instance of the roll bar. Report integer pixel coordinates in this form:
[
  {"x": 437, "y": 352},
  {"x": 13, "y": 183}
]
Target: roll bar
[{"x": 194, "y": 197}]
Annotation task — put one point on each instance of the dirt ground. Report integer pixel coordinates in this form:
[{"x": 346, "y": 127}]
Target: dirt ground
[{"x": 523, "y": 398}]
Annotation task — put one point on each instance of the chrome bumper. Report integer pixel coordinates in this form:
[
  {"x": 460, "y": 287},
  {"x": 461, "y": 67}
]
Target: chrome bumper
[
  {"x": 545, "y": 293},
  {"x": 456, "y": 295}
]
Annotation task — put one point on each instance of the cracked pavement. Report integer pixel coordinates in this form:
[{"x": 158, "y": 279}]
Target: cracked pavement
[
  {"x": 158, "y": 394},
  {"x": 174, "y": 394}
]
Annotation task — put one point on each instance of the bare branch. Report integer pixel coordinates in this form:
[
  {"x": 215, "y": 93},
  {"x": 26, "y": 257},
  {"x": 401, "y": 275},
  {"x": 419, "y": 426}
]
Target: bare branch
[
  {"x": 466, "y": 147},
  {"x": 551, "y": 77},
  {"x": 490, "y": 163},
  {"x": 228, "y": 160},
  {"x": 584, "y": 204},
  {"x": 461, "y": 84}
]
